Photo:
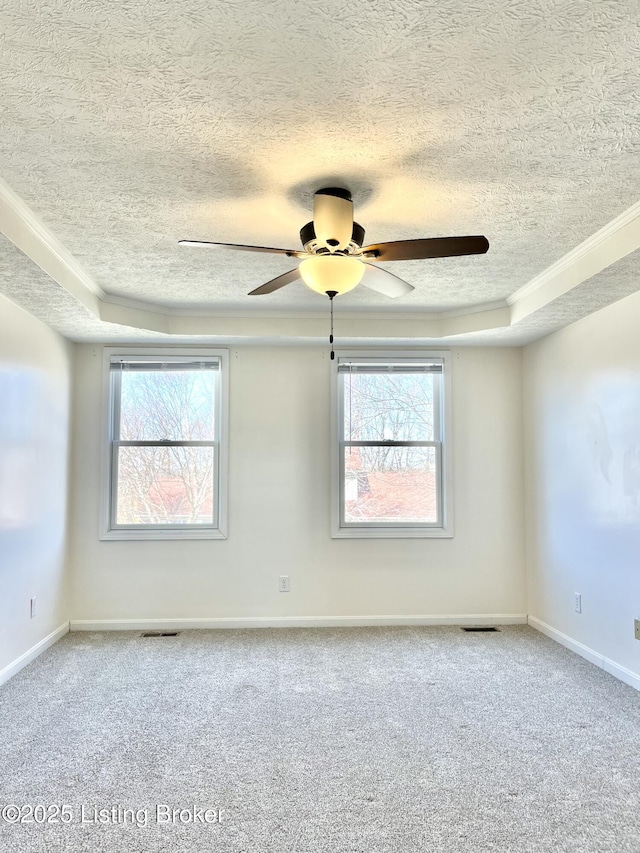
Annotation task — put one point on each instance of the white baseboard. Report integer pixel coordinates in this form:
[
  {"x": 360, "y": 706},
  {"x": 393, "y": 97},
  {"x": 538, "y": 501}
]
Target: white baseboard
[
  {"x": 613, "y": 668},
  {"x": 291, "y": 622},
  {"x": 620, "y": 672},
  {"x": 32, "y": 653}
]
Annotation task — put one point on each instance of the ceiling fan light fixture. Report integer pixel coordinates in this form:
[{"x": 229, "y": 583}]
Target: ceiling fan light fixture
[
  {"x": 334, "y": 259},
  {"x": 331, "y": 273}
]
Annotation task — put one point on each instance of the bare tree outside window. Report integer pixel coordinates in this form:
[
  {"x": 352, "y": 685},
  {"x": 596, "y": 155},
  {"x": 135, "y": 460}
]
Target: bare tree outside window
[
  {"x": 390, "y": 472},
  {"x": 166, "y": 453}
]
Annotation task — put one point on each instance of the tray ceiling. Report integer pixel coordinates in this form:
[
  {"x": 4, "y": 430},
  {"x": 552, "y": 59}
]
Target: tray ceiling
[
  {"x": 53, "y": 305},
  {"x": 126, "y": 127}
]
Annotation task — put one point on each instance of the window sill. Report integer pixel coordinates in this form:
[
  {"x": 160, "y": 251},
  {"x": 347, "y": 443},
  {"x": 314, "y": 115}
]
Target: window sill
[
  {"x": 391, "y": 533},
  {"x": 158, "y": 535}
]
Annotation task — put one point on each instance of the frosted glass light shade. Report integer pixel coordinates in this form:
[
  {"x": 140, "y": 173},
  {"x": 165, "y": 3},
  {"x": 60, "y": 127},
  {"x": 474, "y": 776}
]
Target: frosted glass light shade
[{"x": 323, "y": 273}]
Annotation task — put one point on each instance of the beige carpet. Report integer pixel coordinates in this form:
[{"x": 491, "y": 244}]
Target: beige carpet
[{"x": 344, "y": 741}]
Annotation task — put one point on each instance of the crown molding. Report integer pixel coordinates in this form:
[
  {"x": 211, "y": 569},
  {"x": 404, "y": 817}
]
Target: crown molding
[
  {"x": 478, "y": 308},
  {"x": 125, "y": 312},
  {"x": 26, "y": 231},
  {"x": 614, "y": 241},
  {"x": 206, "y": 311}
]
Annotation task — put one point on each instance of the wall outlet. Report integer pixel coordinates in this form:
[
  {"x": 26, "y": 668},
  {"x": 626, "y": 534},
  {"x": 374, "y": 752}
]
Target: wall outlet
[
  {"x": 32, "y": 608},
  {"x": 283, "y": 583},
  {"x": 636, "y": 623},
  {"x": 577, "y": 602}
]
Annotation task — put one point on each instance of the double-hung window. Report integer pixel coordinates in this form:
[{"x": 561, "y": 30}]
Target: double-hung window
[
  {"x": 165, "y": 454},
  {"x": 391, "y": 456}
]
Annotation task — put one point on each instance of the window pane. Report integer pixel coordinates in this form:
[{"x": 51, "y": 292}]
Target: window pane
[
  {"x": 165, "y": 485},
  {"x": 391, "y": 406},
  {"x": 390, "y": 484},
  {"x": 178, "y": 405}
]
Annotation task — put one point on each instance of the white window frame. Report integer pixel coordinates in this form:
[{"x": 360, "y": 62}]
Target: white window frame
[
  {"x": 107, "y": 531},
  {"x": 444, "y": 528}
]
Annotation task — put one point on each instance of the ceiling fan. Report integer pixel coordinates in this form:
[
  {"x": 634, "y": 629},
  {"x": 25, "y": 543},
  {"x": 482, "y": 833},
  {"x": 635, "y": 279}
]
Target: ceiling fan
[{"x": 333, "y": 259}]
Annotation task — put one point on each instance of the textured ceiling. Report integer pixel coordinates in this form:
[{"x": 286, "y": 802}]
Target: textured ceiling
[{"x": 128, "y": 125}]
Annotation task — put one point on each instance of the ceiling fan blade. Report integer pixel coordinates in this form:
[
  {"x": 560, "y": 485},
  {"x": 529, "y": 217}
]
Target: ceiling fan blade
[
  {"x": 434, "y": 247},
  {"x": 203, "y": 244},
  {"x": 382, "y": 281},
  {"x": 277, "y": 283}
]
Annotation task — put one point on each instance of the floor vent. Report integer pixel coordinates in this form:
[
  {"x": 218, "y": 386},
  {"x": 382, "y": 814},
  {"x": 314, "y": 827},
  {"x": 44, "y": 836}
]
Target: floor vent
[
  {"x": 482, "y": 628},
  {"x": 160, "y": 634}
]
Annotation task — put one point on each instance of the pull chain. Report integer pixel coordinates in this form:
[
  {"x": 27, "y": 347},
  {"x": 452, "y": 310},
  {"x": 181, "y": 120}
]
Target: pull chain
[{"x": 331, "y": 294}]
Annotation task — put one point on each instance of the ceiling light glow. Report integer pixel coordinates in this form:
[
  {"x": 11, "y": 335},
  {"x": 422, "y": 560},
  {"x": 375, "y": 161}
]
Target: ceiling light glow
[{"x": 327, "y": 273}]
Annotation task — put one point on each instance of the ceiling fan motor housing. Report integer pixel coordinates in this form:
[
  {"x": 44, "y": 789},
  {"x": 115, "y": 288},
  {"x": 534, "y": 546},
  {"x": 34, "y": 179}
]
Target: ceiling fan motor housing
[
  {"x": 335, "y": 192},
  {"x": 312, "y": 245},
  {"x": 333, "y": 218}
]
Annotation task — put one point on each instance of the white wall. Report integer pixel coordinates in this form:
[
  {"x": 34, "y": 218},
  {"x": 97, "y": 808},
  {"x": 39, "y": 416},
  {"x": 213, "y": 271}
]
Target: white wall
[
  {"x": 35, "y": 371},
  {"x": 279, "y": 508},
  {"x": 582, "y": 428}
]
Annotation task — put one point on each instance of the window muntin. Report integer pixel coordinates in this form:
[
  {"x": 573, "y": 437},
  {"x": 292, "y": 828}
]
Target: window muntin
[
  {"x": 390, "y": 444},
  {"x": 165, "y": 452}
]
